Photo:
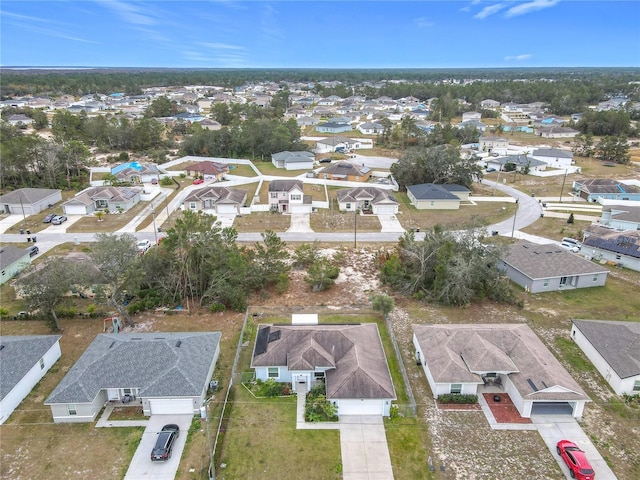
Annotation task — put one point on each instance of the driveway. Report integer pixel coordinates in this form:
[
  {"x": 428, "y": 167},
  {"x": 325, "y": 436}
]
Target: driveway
[
  {"x": 9, "y": 221},
  {"x": 224, "y": 220},
  {"x": 390, "y": 223},
  {"x": 365, "y": 454},
  {"x": 141, "y": 466},
  {"x": 554, "y": 428},
  {"x": 300, "y": 223}
]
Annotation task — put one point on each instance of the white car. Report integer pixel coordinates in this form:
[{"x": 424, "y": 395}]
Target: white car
[
  {"x": 143, "y": 246},
  {"x": 570, "y": 246}
]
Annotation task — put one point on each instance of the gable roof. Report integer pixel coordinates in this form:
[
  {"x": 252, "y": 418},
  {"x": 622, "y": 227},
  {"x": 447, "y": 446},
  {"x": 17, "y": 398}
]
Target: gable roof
[
  {"x": 335, "y": 140},
  {"x": 158, "y": 364},
  {"x": 27, "y": 195},
  {"x": 547, "y": 261},
  {"x": 220, "y": 195},
  {"x": 375, "y": 195},
  {"x": 10, "y": 254},
  {"x": 626, "y": 213},
  {"x": 208, "y": 167},
  {"x": 294, "y": 157},
  {"x": 285, "y": 185},
  {"x": 432, "y": 191},
  {"x": 605, "y": 185},
  {"x": 356, "y": 362},
  {"x": 345, "y": 169},
  {"x": 113, "y": 194},
  {"x": 519, "y": 160},
  {"x": 552, "y": 152},
  {"x": 514, "y": 349},
  {"x": 617, "y": 342},
  {"x": 18, "y": 354}
]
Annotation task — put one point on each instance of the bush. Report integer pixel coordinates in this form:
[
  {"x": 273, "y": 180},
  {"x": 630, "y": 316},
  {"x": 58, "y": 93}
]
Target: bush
[
  {"x": 4, "y": 313},
  {"x": 458, "y": 398},
  {"x": 318, "y": 408},
  {"x": 166, "y": 181}
]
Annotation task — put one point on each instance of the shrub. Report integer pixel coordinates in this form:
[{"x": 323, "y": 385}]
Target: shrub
[
  {"x": 166, "y": 181},
  {"x": 318, "y": 408},
  {"x": 458, "y": 398},
  {"x": 4, "y": 313}
]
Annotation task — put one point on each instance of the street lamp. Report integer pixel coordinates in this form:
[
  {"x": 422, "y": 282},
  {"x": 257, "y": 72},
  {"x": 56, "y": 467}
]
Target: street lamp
[{"x": 513, "y": 229}]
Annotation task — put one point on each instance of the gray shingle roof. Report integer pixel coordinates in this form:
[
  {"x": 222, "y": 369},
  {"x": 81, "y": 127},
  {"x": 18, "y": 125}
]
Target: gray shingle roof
[
  {"x": 461, "y": 353},
  {"x": 294, "y": 157},
  {"x": 285, "y": 185},
  {"x": 27, "y": 195},
  {"x": 158, "y": 364},
  {"x": 374, "y": 195},
  {"x": 18, "y": 354},
  {"x": 9, "y": 254},
  {"x": 617, "y": 342},
  {"x": 552, "y": 152},
  {"x": 623, "y": 212},
  {"x": 547, "y": 261},
  {"x": 356, "y": 352},
  {"x": 346, "y": 168},
  {"x": 432, "y": 191},
  {"x": 220, "y": 195}
]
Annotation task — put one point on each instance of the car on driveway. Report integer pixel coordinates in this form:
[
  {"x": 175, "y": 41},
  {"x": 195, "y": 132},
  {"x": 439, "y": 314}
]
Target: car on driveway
[
  {"x": 164, "y": 443},
  {"x": 570, "y": 246},
  {"x": 143, "y": 246},
  {"x": 48, "y": 218},
  {"x": 325, "y": 160},
  {"x": 58, "y": 220},
  {"x": 491, "y": 169},
  {"x": 33, "y": 250},
  {"x": 198, "y": 181},
  {"x": 576, "y": 460}
]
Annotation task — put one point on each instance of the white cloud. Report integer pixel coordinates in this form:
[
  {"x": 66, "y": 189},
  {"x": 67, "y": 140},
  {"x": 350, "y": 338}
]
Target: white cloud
[
  {"x": 221, "y": 46},
  {"x": 490, "y": 10},
  {"x": 130, "y": 13},
  {"x": 424, "y": 22},
  {"x": 528, "y": 7},
  {"x": 269, "y": 22},
  {"x": 517, "y": 58}
]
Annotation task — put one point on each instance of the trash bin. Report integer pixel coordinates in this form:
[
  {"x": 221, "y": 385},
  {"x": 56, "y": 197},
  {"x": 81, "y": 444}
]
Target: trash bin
[
  {"x": 28, "y": 239},
  {"x": 28, "y": 232},
  {"x": 159, "y": 229},
  {"x": 33, "y": 239},
  {"x": 21, "y": 232}
]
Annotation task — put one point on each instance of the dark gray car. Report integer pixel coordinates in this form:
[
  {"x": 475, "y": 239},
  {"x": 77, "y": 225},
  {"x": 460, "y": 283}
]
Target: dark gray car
[{"x": 164, "y": 443}]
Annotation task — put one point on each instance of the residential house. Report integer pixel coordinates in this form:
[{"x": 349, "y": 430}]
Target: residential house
[
  {"x": 12, "y": 261},
  {"x": 614, "y": 349},
  {"x": 437, "y": 197},
  {"x": 307, "y": 121},
  {"x": 621, "y": 216},
  {"x": 553, "y": 157},
  {"x": 207, "y": 170},
  {"x": 337, "y": 143},
  {"x": 463, "y": 358},
  {"x": 492, "y": 144},
  {"x": 19, "y": 119},
  {"x": 165, "y": 373},
  {"x": 549, "y": 267},
  {"x": 24, "y": 361},
  {"x": 210, "y": 124},
  {"x": 29, "y": 201},
  {"x": 370, "y": 128},
  {"x": 556, "y": 132},
  {"x": 367, "y": 199},
  {"x": 333, "y": 127},
  {"x": 287, "y": 196},
  {"x": 477, "y": 124},
  {"x": 136, "y": 173},
  {"x": 216, "y": 200},
  {"x": 293, "y": 160},
  {"x": 349, "y": 359},
  {"x": 345, "y": 171},
  {"x": 519, "y": 163},
  {"x": 112, "y": 199},
  {"x": 619, "y": 248},
  {"x": 490, "y": 104},
  {"x": 593, "y": 189},
  {"x": 466, "y": 116}
]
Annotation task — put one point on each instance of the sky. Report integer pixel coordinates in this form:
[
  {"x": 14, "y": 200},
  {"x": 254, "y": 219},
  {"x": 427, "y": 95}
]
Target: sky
[{"x": 320, "y": 34}]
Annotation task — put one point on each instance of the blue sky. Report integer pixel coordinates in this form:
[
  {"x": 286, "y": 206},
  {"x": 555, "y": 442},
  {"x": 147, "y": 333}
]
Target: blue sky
[{"x": 329, "y": 34}]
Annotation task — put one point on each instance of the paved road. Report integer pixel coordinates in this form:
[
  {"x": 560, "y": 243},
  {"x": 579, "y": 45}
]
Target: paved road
[{"x": 527, "y": 213}]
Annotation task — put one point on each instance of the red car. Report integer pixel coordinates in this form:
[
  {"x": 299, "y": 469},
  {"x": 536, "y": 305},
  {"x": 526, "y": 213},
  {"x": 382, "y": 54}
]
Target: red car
[
  {"x": 198, "y": 181},
  {"x": 576, "y": 460}
]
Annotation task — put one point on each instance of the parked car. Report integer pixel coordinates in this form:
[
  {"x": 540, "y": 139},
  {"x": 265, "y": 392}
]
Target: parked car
[
  {"x": 58, "y": 219},
  {"x": 198, "y": 181},
  {"x": 570, "y": 246},
  {"x": 491, "y": 169},
  {"x": 154, "y": 181},
  {"x": 33, "y": 250},
  {"x": 572, "y": 241},
  {"x": 576, "y": 460},
  {"x": 164, "y": 443},
  {"x": 48, "y": 218},
  {"x": 143, "y": 246},
  {"x": 324, "y": 160}
]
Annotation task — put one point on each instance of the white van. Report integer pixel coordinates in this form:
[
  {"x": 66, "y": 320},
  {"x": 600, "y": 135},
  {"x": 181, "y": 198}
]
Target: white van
[{"x": 572, "y": 241}]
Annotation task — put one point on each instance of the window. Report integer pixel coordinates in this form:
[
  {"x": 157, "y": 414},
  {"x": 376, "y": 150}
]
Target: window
[
  {"x": 296, "y": 197},
  {"x": 636, "y": 386},
  {"x": 101, "y": 204},
  {"x": 595, "y": 277},
  {"x": 456, "y": 388},
  {"x": 71, "y": 408},
  {"x": 348, "y": 206},
  {"x": 274, "y": 194},
  {"x": 432, "y": 203},
  {"x": 318, "y": 375},
  {"x": 273, "y": 372},
  {"x": 546, "y": 282},
  {"x": 192, "y": 205},
  {"x": 42, "y": 363}
]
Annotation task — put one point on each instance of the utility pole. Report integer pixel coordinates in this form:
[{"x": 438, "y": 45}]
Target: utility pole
[
  {"x": 563, "y": 180},
  {"x": 153, "y": 216},
  {"x": 513, "y": 229},
  {"x": 212, "y": 468},
  {"x": 355, "y": 228}
]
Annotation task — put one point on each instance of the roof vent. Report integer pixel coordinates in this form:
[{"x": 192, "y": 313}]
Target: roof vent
[
  {"x": 112, "y": 344},
  {"x": 178, "y": 343},
  {"x": 1, "y": 347},
  {"x": 533, "y": 385}
]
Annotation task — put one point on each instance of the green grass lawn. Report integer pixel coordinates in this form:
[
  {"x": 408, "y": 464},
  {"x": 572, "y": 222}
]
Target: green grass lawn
[{"x": 267, "y": 168}]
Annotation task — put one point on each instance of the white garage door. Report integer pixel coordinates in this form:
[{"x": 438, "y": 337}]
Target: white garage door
[
  {"x": 75, "y": 210},
  {"x": 227, "y": 209},
  {"x": 360, "y": 407},
  {"x": 386, "y": 209},
  {"x": 171, "y": 406}
]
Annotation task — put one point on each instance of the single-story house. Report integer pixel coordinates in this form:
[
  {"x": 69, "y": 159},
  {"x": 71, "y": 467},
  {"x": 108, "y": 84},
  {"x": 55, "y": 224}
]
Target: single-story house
[
  {"x": 19, "y": 119},
  {"x": 12, "y": 261},
  {"x": 337, "y": 143},
  {"x": 29, "y": 201},
  {"x": 621, "y": 248},
  {"x": 345, "y": 171},
  {"x": 463, "y": 358},
  {"x": 519, "y": 162},
  {"x": 592, "y": 189},
  {"x": 210, "y": 124},
  {"x": 102, "y": 198},
  {"x": 466, "y": 116},
  {"x": 556, "y": 132},
  {"x": 167, "y": 373},
  {"x": 621, "y": 217},
  {"x": 24, "y": 360},
  {"x": 549, "y": 267},
  {"x": 367, "y": 199},
  {"x": 216, "y": 200},
  {"x": 293, "y": 160},
  {"x": 307, "y": 121},
  {"x": 349, "y": 359},
  {"x": 614, "y": 349},
  {"x": 437, "y": 197},
  {"x": 477, "y": 124},
  {"x": 134, "y": 172},
  {"x": 287, "y": 196},
  {"x": 492, "y": 144},
  {"x": 207, "y": 170},
  {"x": 489, "y": 104},
  {"x": 553, "y": 157},
  {"x": 333, "y": 127},
  {"x": 370, "y": 128}
]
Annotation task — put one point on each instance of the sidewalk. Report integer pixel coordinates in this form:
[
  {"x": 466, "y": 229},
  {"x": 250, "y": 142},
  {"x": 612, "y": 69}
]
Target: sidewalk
[{"x": 104, "y": 420}]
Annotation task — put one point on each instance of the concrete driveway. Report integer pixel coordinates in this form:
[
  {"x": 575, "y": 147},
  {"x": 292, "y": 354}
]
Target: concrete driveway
[
  {"x": 141, "y": 466},
  {"x": 554, "y": 428},
  {"x": 390, "y": 223},
  {"x": 224, "y": 220},
  {"x": 365, "y": 454},
  {"x": 300, "y": 223},
  {"x": 9, "y": 221}
]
